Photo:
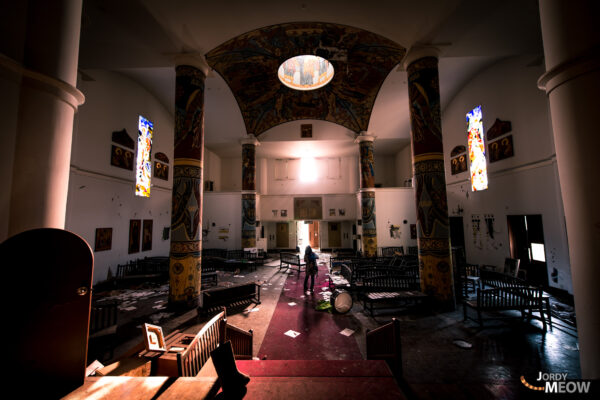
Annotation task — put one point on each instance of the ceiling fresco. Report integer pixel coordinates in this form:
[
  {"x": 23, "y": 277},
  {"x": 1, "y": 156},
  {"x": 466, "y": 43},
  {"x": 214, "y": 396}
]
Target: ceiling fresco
[{"x": 249, "y": 64}]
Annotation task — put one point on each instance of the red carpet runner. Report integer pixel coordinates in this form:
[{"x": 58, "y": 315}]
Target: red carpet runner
[{"x": 319, "y": 337}]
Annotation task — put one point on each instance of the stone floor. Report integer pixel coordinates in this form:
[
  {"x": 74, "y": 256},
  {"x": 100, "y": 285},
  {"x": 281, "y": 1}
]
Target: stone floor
[{"x": 443, "y": 357}]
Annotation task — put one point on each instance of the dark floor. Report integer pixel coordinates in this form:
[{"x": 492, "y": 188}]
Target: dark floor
[{"x": 443, "y": 357}]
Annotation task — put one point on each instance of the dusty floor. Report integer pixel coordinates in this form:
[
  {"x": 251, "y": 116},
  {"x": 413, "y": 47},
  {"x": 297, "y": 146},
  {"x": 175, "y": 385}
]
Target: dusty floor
[{"x": 432, "y": 344}]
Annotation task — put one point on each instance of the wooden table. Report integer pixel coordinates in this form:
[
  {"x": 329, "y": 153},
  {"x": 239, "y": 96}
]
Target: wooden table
[{"x": 269, "y": 379}]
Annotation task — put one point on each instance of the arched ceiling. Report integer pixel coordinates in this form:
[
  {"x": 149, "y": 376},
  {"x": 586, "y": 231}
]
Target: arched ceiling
[
  {"x": 140, "y": 39},
  {"x": 249, "y": 63}
]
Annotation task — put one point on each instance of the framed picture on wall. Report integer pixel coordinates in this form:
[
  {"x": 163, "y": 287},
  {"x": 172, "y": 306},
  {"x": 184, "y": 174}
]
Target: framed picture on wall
[
  {"x": 135, "y": 230},
  {"x": 103, "y": 239},
  {"x": 147, "y": 235}
]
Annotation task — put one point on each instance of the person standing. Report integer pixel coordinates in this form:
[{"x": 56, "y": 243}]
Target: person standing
[{"x": 310, "y": 258}]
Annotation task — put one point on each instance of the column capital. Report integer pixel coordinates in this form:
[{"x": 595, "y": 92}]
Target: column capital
[
  {"x": 418, "y": 51},
  {"x": 193, "y": 59},
  {"x": 250, "y": 139},
  {"x": 561, "y": 73},
  {"x": 365, "y": 136}
]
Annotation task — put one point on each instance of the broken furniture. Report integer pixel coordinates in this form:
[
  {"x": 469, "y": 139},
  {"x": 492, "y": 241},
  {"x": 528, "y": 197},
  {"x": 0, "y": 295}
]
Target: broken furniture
[
  {"x": 235, "y": 296},
  {"x": 391, "y": 288},
  {"x": 494, "y": 279},
  {"x": 291, "y": 261},
  {"x": 519, "y": 298}
]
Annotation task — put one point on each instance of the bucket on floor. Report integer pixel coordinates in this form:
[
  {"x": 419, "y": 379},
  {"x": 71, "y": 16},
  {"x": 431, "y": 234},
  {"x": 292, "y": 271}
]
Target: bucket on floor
[{"x": 341, "y": 301}]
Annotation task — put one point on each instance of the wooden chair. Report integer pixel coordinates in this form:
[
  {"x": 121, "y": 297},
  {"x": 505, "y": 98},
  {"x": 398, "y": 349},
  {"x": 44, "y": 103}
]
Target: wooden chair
[{"x": 470, "y": 278}]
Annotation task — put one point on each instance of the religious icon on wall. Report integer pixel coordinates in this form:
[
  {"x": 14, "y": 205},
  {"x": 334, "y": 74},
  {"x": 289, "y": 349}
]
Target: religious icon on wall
[
  {"x": 459, "y": 164},
  {"x": 103, "y": 239},
  {"x": 161, "y": 171},
  {"x": 306, "y": 130},
  {"x": 147, "y": 235},
  {"x": 332, "y": 212},
  {"x": 122, "y": 158},
  {"x": 342, "y": 212},
  {"x": 284, "y": 213},
  {"x": 134, "y": 235},
  {"x": 501, "y": 149},
  {"x": 413, "y": 231}
]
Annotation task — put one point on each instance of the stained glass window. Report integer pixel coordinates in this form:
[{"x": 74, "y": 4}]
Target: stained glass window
[
  {"x": 479, "y": 180},
  {"x": 143, "y": 164},
  {"x": 305, "y": 72}
]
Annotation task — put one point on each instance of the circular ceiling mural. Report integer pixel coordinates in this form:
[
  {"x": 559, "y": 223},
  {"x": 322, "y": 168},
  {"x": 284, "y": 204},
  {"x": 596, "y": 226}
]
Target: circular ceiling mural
[{"x": 306, "y": 72}]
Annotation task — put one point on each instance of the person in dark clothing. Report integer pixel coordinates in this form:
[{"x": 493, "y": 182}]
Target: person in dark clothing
[{"x": 310, "y": 258}]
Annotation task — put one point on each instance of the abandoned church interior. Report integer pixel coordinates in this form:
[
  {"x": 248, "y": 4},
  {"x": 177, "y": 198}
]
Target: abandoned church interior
[{"x": 301, "y": 199}]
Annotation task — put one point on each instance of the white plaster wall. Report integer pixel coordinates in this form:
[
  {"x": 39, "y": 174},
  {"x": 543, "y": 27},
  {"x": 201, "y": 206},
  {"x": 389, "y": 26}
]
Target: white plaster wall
[
  {"x": 345, "y": 184},
  {"x": 212, "y": 169},
  {"x": 385, "y": 170},
  {"x": 403, "y": 167},
  {"x": 393, "y": 206},
  {"x": 231, "y": 174},
  {"x": 222, "y": 219},
  {"x": 103, "y": 196},
  {"x": 524, "y": 184}
]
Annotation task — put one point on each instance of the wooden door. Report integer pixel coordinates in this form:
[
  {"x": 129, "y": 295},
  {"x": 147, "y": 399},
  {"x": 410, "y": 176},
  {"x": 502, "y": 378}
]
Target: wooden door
[
  {"x": 47, "y": 297},
  {"x": 283, "y": 235},
  {"x": 335, "y": 234},
  {"x": 313, "y": 234}
]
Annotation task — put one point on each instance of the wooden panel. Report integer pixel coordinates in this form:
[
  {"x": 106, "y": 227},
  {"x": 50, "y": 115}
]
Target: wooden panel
[
  {"x": 335, "y": 234},
  {"x": 119, "y": 387},
  {"x": 283, "y": 235},
  {"x": 47, "y": 278}
]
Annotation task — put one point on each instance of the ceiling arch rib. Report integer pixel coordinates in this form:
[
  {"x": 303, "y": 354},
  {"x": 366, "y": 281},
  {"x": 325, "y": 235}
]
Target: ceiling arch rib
[{"x": 249, "y": 64}]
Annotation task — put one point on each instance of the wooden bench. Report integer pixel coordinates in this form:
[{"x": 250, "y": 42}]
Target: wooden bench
[
  {"x": 495, "y": 279},
  {"x": 234, "y": 297},
  {"x": 148, "y": 268},
  {"x": 291, "y": 261},
  {"x": 391, "y": 288},
  {"x": 519, "y": 298},
  {"x": 208, "y": 273}
]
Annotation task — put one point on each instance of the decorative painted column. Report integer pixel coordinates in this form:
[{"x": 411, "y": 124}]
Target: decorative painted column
[
  {"x": 186, "y": 216},
  {"x": 572, "y": 83},
  {"x": 249, "y": 191},
  {"x": 367, "y": 194},
  {"x": 48, "y": 100},
  {"x": 433, "y": 237}
]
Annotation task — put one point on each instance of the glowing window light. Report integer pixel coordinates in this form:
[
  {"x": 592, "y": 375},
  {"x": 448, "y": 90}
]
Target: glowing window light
[
  {"x": 306, "y": 72},
  {"x": 143, "y": 164},
  {"x": 537, "y": 252},
  {"x": 308, "y": 170},
  {"x": 479, "y": 180}
]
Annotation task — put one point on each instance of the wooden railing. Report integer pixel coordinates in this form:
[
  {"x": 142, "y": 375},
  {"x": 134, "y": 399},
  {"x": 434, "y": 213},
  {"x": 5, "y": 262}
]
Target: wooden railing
[{"x": 190, "y": 361}]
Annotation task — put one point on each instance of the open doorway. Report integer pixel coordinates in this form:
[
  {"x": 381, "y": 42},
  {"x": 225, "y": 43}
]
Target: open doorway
[
  {"x": 307, "y": 233},
  {"x": 526, "y": 239}
]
